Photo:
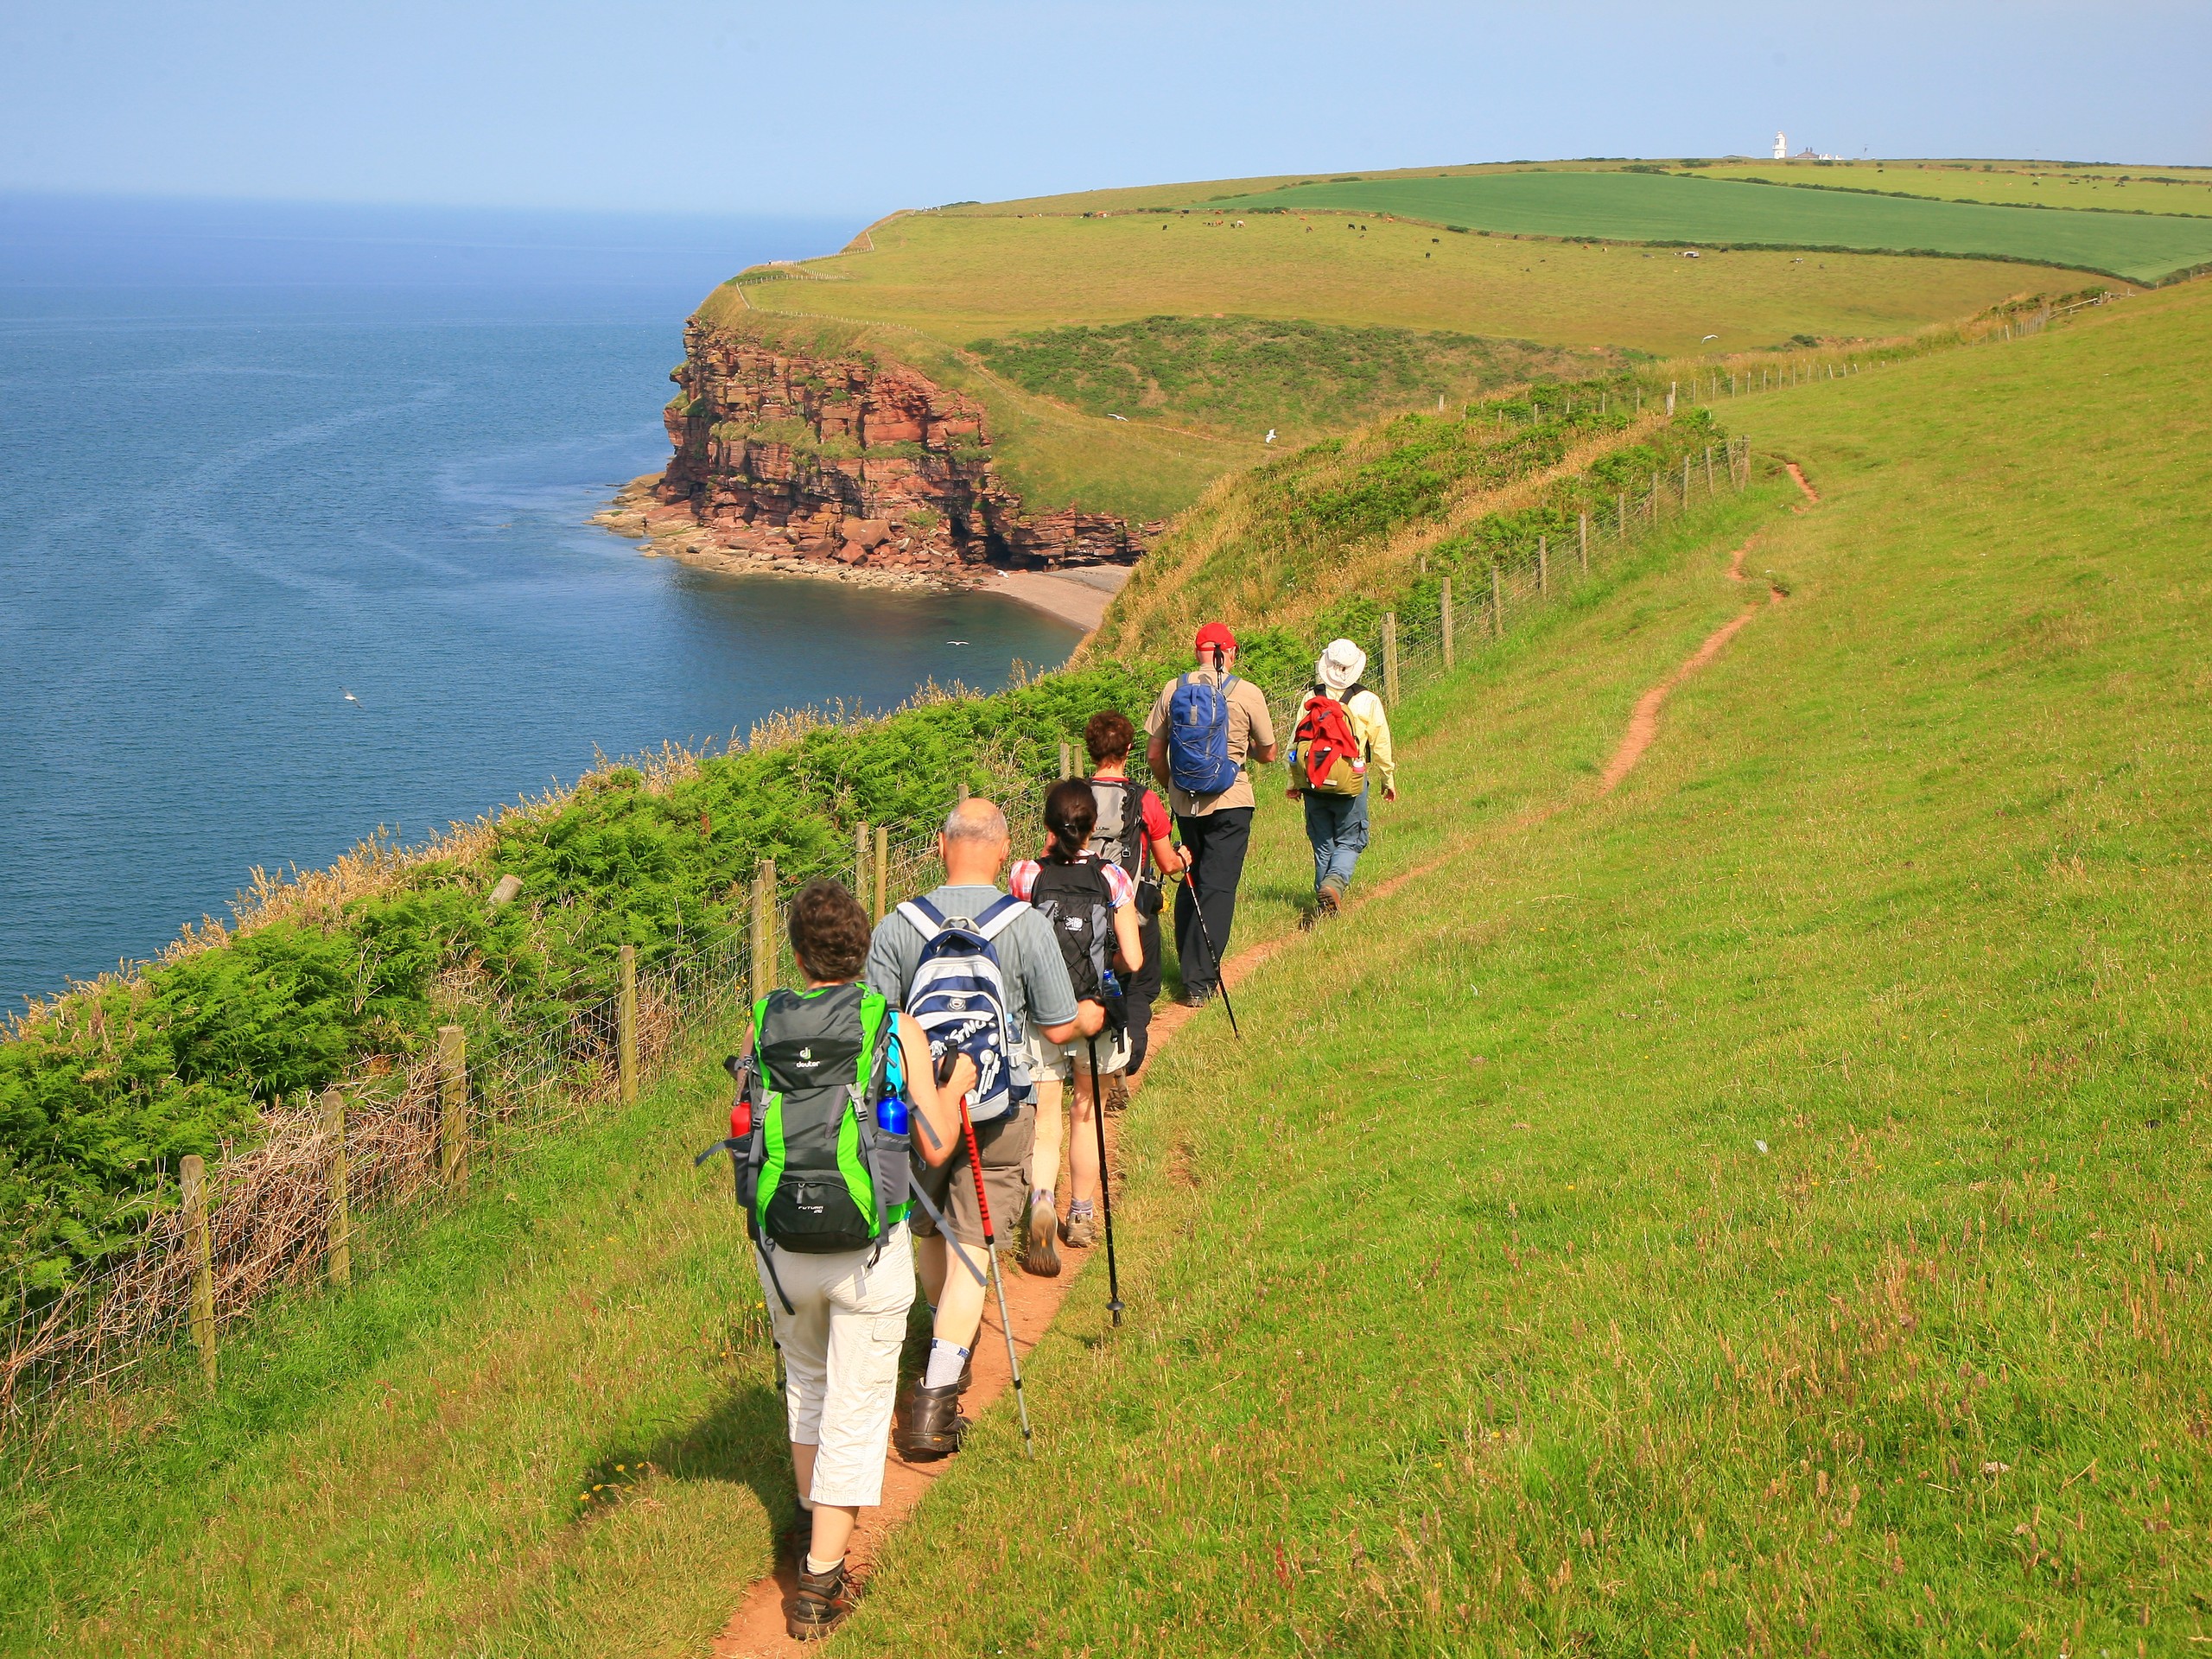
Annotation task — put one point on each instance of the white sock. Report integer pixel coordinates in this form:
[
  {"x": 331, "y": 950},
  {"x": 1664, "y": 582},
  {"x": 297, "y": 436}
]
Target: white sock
[
  {"x": 945, "y": 1361},
  {"x": 819, "y": 1567},
  {"x": 1040, "y": 1195}
]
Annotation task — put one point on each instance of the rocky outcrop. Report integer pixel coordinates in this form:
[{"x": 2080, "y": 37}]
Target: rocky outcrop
[{"x": 850, "y": 461}]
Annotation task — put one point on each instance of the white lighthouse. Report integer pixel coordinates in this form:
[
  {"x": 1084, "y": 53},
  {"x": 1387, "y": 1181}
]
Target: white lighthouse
[{"x": 1781, "y": 147}]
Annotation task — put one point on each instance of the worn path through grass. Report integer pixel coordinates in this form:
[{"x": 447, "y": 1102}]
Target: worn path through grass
[{"x": 1760, "y": 1209}]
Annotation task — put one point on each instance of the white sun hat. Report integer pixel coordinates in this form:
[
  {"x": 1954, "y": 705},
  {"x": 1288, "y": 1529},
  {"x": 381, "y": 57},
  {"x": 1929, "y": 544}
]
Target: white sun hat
[{"x": 1342, "y": 663}]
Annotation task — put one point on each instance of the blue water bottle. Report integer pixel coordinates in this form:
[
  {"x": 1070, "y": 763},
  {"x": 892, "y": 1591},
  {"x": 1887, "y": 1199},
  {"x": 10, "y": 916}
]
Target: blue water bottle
[{"x": 892, "y": 1115}]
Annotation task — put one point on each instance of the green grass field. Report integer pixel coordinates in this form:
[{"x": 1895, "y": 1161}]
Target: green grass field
[
  {"x": 1758, "y": 1211},
  {"x": 2029, "y": 184},
  {"x": 930, "y": 287},
  {"x": 1656, "y": 207}
]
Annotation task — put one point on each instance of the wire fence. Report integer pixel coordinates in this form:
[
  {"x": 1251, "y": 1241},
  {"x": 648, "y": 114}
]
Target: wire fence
[{"x": 396, "y": 1141}]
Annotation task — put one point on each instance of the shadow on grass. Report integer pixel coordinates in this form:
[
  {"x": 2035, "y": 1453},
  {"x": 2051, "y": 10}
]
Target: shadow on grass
[{"x": 740, "y": 1440}]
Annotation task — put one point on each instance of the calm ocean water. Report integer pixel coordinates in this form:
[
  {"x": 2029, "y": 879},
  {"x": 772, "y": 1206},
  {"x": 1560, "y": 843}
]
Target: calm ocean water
[{"x": 253, "y": 458}]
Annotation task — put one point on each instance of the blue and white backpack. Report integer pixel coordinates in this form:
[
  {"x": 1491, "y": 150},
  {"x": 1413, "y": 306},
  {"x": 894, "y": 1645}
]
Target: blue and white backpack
[
  {"x": 1198, "y": 736},
  {"x": 958, "y": 997}
]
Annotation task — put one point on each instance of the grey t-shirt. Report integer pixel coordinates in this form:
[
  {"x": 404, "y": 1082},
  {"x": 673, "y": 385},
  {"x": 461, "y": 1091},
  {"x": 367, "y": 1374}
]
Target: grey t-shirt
[{"x": 1037, "y": 991}]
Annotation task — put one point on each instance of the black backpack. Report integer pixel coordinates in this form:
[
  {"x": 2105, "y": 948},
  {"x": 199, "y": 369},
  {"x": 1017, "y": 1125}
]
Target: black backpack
[
  {"x": 1078, "y": 902},
  {"x": 1118, "y": 836}
]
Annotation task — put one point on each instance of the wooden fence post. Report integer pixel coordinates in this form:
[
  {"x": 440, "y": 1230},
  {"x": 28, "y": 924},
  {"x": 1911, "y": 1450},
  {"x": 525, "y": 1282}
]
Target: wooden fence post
[
  {"x": 1582, "y": 539},
  {"x": 1686, "y": 483},
  {"x": 1445, "y": 611},
  {"x": 453, "y": 1102},
  {"x": 1621, "y": 501},
  {"x": 1652, "y": 510},
  {"x": 1390, "y": 657},
  {"x": 763, "y": 929},
  {"x": 1498, "y": 602},
  {"x": 192, "y": 1174},
  {"x": 1671, "y": 388},
  {"x": 1709, "y": 490},
  {"x": 1067, "y": 763},
  {"x": 338, "y": 1257},
  {"x": 1543, "y": 564},
  {"x": 626, "y": 1030},
  {"x": 883, "y": 870},
  {"x": 860, "y": 863}
]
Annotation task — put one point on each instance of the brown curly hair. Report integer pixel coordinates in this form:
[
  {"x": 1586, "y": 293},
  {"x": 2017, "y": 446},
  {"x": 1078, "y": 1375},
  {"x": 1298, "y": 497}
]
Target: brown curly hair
[
  {"x": 829, "y": 932},
  {"x": 1107, "y": 735}
]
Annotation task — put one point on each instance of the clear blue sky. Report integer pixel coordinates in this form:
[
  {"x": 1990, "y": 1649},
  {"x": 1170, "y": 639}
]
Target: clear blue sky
[{"x": 852, "y": 108}]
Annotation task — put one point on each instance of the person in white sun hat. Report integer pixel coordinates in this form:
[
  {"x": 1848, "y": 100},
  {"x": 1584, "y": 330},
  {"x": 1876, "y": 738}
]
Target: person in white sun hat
[{"x": 1340, "y": 746}]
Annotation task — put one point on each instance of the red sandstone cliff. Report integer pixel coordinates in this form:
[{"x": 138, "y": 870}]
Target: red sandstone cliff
[{"x": 853, "y": 460}]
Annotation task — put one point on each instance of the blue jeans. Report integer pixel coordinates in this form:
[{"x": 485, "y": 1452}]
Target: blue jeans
[{"x": 1337, "y": 825}]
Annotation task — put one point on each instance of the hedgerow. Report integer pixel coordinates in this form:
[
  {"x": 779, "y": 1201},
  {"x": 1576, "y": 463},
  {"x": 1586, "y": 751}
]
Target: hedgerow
[{"x": 102, "y": 1091}]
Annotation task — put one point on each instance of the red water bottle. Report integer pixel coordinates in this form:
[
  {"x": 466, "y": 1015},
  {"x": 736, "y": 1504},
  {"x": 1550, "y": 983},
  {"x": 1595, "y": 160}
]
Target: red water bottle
[{"x": 740, "y": 1118}]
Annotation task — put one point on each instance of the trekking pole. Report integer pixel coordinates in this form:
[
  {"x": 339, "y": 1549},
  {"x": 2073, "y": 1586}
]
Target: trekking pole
[
  {"x": 1220, "y": 968},
  {"x": 998, "y": 1280},
  {"x": 1105, "y": 1187}
]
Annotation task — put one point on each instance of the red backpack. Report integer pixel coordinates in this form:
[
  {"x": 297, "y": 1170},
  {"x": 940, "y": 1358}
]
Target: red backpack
[{"x": 1325, "y": 747}]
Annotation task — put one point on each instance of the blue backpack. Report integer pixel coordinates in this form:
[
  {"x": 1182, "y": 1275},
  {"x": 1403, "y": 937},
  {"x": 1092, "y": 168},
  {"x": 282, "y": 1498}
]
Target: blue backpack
[
  {"x": 958, "y": 997},
  {"x": 1198, "y": 736}
]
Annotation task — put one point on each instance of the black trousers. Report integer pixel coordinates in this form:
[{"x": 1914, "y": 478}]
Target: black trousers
[
  {"x": 1143, "y": 989},
  {"x": 1216, "y": 844}
]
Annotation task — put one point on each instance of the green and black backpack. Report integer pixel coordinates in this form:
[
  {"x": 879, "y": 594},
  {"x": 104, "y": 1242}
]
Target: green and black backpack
[{"x": 815, "y": 1174}]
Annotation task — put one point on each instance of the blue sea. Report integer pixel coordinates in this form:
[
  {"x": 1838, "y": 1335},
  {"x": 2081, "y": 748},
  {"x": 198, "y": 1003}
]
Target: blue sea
[{"x": 254, "y": 458}]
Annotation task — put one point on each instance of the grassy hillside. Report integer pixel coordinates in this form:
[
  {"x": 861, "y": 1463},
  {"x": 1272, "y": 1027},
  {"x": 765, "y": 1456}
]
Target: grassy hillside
[
  {"x": 1757, "y": 1209},
  {"x": 974, "y": 296},
  {"x": 1653, "y": 207},
  {"x": 2021, "y": 184},
  {"x": 1760, "y": 1210}
]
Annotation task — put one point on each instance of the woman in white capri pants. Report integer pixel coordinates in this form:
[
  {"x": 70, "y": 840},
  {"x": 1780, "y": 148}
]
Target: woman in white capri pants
[{"x": 841, "y": 1317}]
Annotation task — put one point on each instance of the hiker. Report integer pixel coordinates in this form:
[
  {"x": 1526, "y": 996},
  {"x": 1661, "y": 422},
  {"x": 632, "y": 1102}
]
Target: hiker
[
  {"x": 1341, "y": 745},
  {"x": 838, "y": 1274},
  {"x": 1132, "y": 830},
  {"x": 1091, "y": 905},
  {"x": 975, "y": 968},
  {"x": 1203, "y": 727}
]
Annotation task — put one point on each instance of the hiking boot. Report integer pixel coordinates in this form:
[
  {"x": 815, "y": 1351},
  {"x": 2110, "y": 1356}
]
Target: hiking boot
[
  {"x": 821, "y": 1605},
  {"x": 1197, "y": 997},
  {"x": 1330, "y": 896},
  {"x": 933, "y": 1424},
  {"x": 1081, "y": 1231},
  {"x": 1040, "y": 1256},
  {"x": 1117, "y": 1095}
]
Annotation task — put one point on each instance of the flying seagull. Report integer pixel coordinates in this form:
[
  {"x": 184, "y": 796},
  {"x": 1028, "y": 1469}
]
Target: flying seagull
[
  {"x": 355, "y": 701},
  {"x": 1270, "y": 438},
  {"x": 1708, "y": 337}
]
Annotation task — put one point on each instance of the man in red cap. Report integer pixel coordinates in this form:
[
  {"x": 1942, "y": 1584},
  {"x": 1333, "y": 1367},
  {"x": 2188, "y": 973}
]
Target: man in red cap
[{"x": 1203, "y": 727}]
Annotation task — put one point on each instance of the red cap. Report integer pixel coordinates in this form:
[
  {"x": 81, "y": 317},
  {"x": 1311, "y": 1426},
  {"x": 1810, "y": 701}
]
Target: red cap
[{"x": 1215, "y": 633}]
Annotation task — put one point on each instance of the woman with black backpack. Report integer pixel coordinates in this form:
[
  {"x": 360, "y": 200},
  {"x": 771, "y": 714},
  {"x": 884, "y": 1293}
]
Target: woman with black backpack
[{"x": 1092, "y": 905}]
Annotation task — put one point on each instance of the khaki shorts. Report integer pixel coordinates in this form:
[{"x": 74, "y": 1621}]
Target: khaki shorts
[
  {"x": 1005, "y": 1144},
  {"x": 1071, "y": 1059}
]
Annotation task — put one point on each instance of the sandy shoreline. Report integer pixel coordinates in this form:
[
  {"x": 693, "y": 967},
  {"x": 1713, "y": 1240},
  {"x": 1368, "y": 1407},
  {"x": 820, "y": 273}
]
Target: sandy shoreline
[{"x": 1077, "y": 595}]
